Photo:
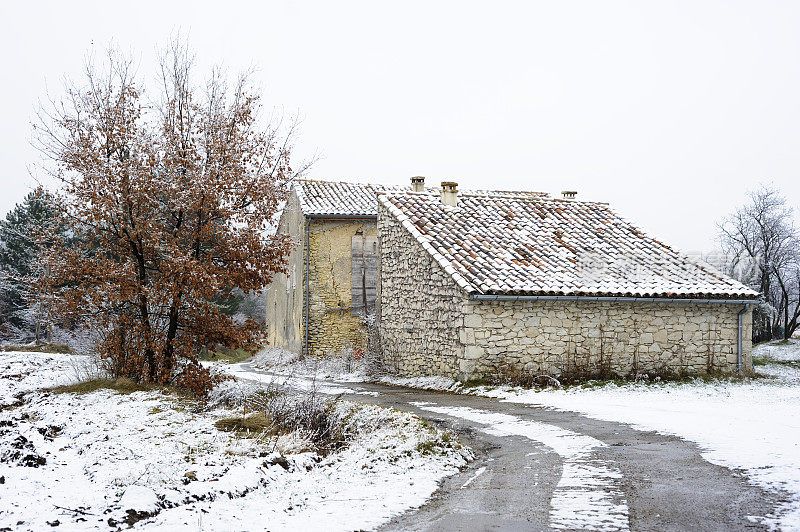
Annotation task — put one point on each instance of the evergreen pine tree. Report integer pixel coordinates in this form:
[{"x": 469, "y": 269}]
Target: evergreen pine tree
[{"x": 20, "y": 309}]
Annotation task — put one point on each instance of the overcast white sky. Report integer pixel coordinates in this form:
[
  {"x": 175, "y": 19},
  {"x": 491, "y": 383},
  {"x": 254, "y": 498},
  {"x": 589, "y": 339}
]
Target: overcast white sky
[{"x": 670, "y": 111}]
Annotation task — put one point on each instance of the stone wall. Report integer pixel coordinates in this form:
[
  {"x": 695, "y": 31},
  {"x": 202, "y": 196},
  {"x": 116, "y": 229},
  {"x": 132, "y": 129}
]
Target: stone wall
[
  {"x": 430, "y": 327},
  {"x": 332, "y": 327},
  {"x": 420, "y": 308},
  {"x": 612, "y": 338},
  {"x": 285, "y": 295}
]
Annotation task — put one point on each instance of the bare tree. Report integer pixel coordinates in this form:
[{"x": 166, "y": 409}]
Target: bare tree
[
  {"x": 762, "y": 242},
  {"x": 788, "y": 280}
]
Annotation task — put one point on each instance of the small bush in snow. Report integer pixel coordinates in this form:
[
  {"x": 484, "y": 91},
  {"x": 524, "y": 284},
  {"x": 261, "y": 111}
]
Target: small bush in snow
[{"x": 310, "y": 414}]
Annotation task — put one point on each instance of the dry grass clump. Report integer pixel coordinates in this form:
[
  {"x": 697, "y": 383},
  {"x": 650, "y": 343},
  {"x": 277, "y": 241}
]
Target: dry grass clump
[
  {"x": 121, "y": 385},
  {"x": 224, "y": 354},
  {"x": 246, "y": 425},
  {"x": 39, "y": 348},
  {"x": 439, "y": 442},
  {"x": 310, "y": 415}
]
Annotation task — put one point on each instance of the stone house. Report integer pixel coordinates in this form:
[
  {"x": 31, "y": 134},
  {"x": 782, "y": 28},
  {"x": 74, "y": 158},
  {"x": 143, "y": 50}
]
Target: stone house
[
  {"x": 469, "y": 284},
  {"x": 472, "y": 285}
]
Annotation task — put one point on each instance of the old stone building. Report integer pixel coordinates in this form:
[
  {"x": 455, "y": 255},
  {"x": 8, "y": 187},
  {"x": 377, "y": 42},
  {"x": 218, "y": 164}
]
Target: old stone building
[
  {"x": 474, "y": 285},
  {"x": 471, "y": 284},
  {"x": 318, "y": 306}
]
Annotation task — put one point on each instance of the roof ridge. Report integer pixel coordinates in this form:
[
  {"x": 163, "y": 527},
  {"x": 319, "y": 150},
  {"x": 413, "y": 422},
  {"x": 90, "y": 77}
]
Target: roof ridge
[
  {"x": 529, "y": 195},
  {"x": 406, "y": 186},
  {"x": 315, "y": 180},
  {"x": 322, "y": 198}
]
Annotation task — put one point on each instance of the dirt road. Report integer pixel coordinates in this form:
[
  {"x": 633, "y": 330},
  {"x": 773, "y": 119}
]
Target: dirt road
[{"x": 538, "y": 469}]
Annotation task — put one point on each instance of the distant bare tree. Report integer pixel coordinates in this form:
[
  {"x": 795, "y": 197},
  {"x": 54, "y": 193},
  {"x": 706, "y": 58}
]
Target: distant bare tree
[
  {"x": 789, "y": 284},
  {"x": 761, "y": 241}
]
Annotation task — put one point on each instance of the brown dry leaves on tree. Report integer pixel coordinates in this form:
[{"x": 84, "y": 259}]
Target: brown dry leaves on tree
[{"x": 172, "y": 203}]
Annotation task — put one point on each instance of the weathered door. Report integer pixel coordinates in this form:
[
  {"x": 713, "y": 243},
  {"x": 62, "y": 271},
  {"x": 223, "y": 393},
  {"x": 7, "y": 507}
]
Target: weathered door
[{"x": 365, "y": 273}]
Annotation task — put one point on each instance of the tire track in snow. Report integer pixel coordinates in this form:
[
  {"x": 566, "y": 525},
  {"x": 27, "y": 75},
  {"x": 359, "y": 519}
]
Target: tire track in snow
[
  {"x": 478, "y": 473},
  {"x": 587, "y": 496}
]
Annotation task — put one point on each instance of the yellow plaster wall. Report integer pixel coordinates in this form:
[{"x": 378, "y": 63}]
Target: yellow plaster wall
[{"x": 331, "y": 326}]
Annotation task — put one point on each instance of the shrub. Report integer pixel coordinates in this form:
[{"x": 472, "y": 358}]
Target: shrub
[
  {"x": 272, "y": 411},
  {"x": 310, "y": 413}
]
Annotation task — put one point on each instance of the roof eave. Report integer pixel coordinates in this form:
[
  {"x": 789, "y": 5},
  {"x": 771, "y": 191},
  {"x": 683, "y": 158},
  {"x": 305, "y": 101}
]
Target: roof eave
[
  {"x": 633, "y": 299},
  {"x": 341, "y": 216}
]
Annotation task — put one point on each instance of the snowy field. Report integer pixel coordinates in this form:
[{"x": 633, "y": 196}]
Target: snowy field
[
  {"x": 104, "y": 460},
  {"x": 21, "y": 374}
]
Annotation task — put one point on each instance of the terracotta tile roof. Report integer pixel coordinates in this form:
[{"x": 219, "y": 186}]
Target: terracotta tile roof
[
  {"x": 511, "y": 244},
  {"x": 331, "y": 198}
]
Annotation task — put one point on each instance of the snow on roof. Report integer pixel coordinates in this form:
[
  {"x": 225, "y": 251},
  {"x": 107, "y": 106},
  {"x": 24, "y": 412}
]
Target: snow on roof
[
  {"x": 330, "y": 198},
  {"x": 340, "y": 199},
  {"x": 527, "y": 245}
]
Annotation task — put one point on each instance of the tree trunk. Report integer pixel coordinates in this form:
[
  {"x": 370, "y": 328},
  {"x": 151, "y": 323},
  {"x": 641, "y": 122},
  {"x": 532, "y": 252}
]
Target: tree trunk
[
  {"x": 786, "y": 332},
  {"x": 151, "y": 364},
  {"x": 172, "y": 331}
]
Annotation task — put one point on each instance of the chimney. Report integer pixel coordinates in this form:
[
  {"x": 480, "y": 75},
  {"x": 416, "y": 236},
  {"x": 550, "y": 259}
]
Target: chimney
[
  {"x": 450, "y": 193},
  {"x": 569, "y": 194},
  {"x": 418, "y": 183}
]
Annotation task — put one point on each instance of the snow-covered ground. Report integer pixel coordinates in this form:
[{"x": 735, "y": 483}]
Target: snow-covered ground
[
  {"x": 780, "y": 351},
  {"x": 340, "y": 368},
  {"x": 87, "y": 461},
  {"x": 21, "y": 373},
  {"x": 750, "y": 425}
]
